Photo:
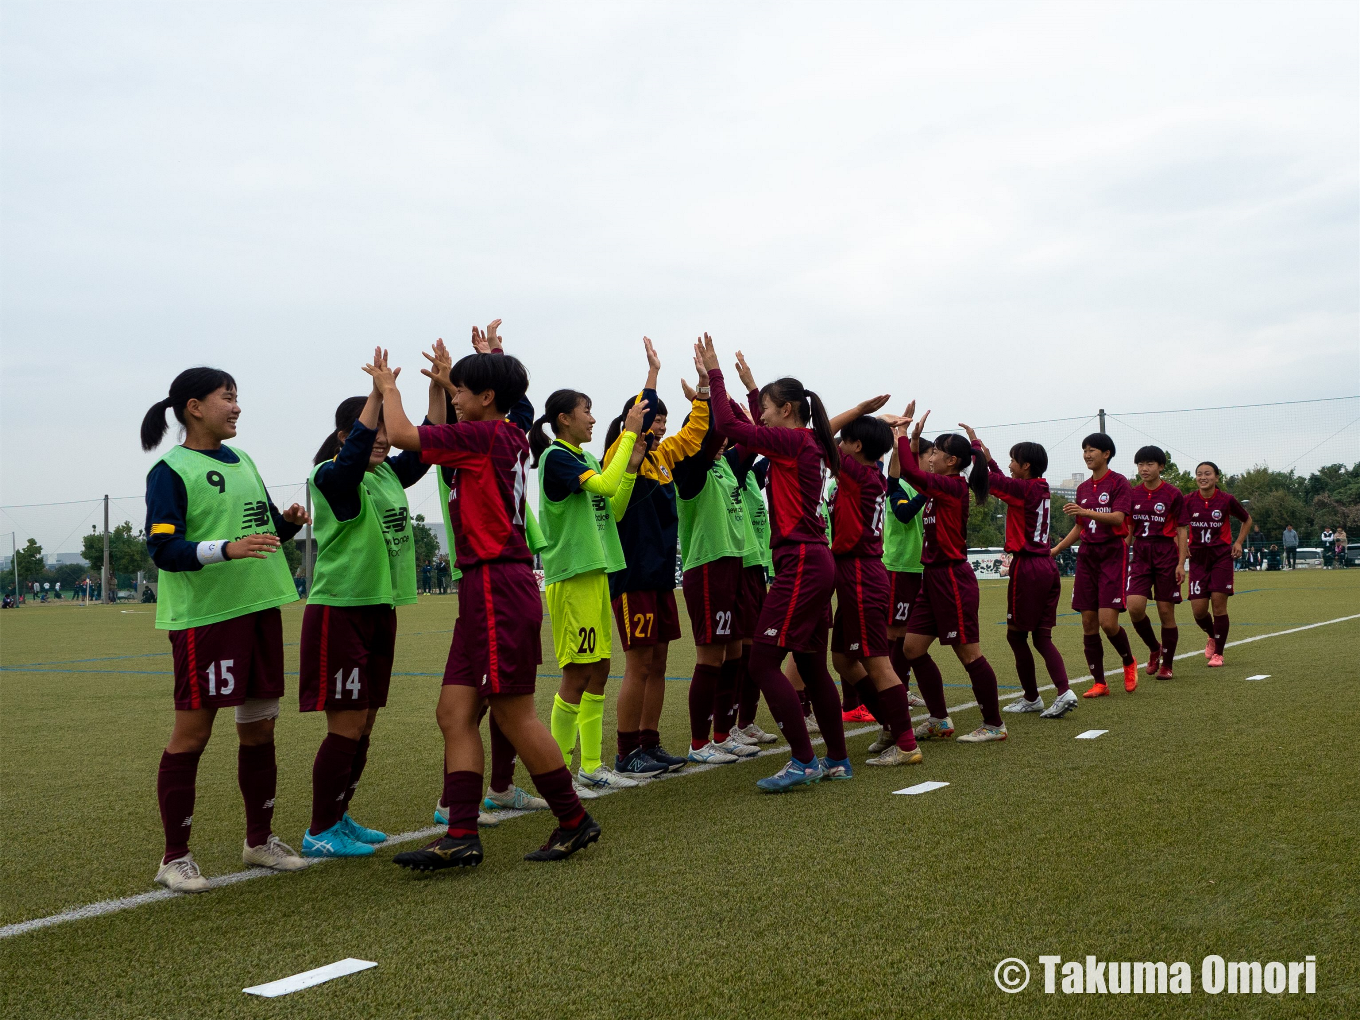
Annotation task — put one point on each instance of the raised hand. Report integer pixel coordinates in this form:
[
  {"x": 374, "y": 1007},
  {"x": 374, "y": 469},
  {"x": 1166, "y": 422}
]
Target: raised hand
[
  {"x": 297, "y": 514},
  {"x": 872, "y": 404},
  {"x": 688, "y": 390},
  {"x": 633, "y": 421},
  {"x": 744, "y": 372},
  {"x": 653, "y": 359},
  {"x": 973, "y": 438},
  {"x": 707, "y": 355},
  {"x": 493, "y": 338},
  {"x": 910, "y": 412},
  {"x": 384, "y": 378},
  {"x": 916, "y": 433},
  {"x": 703, "y": 372},
  {"x": 441, "y": 361}
]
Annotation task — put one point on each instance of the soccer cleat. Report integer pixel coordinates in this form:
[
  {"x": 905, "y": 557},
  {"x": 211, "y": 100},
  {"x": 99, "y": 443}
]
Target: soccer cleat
[
  {"x": 810, "y": 721},
  {"x": 637, "y": 765},
  {"x": 1209, "y": 648},
  {"x": 513, "y": 799},
  {"x": 983, "y": 734},
  {"x": 444, "y": 852},
  {"x": 565, "y": 842},
  {"x": 1064, "y": 703},
  {"x": 334, "y": 842},
  {"x": 1153, "y": 662},
  {"x": 832, "y": 769},
  {"x": 659, "y": 753},
  {"x": 604, "y": 778},
  {"x": 795, "y": 773},
  {"x": 915, "y": 700},
  {"x": 485, "y": 820},
  {"x": 1131, "y": 677},
  {"x": 182, "y": 875},
  {"x": 753, "y": 732},
  {"x": 860, "y": 713},
  {"x": 274, "y": 854},
  {"x": 882, "y": 742},
  {"x": 1098, "y": 690},
  {"x": 736, "y": 749},
  {"x": 935, "y": 729},
  {"x": 358, "y": 832},
  {"x": 1025, "y": 705},
  {"x": 894, "y": 755},
  {"x": 742, "y": 738},
  {"x": 1215, "y": 660},
  {"x": 710, "y": 754},
  {"x": 584, "y": 792},
  {"x": 1165, "y": 672}
]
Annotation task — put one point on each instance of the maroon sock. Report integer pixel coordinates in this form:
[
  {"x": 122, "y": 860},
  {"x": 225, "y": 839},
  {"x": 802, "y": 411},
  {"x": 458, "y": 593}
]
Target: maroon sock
[
  {"x": 892, "y": 701},
  {"x": 1205, "y": 623},
  {"x": 502, "y": 759},
  {"x": 1221, "y": 633},
  {"x": 356, "y": 770},
  {"x": 462, "y": 791},
  {"x": 898, "y": 659},
  {"x": 556, "y": 788},
  {"x": 1170, "y": 636},
  {"x": 1053, "y": 660},
  {"x": 983, "y": 679},
  {"x": 803, "y": 700},
  {"x": 649, "y": 738},
  {"x": 850, "y": 698},
  {"x": 781, "y": 699},
  {"x": 1144, "y": 629},
  {"x": 1024, "y": 662},
  {"x": 331, "y": 772},
  {"x": 931, "y": 685},
  {"x": 258, "y": 776},
  {"x": 175, "y": 786},
  {"x": 748, "y": 698},
  {"x": 1095, "y": 656},
  {"x": 1120, "y": 643},
  {"x": 702, "y": 688},
  {"x": 826, "y": 701},
  {"x": 725, "y": 700},
  {"x": 629, "y": 741}
]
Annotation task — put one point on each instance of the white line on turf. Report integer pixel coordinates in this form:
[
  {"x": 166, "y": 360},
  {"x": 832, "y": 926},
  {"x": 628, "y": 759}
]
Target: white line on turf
[
  {"x": 308, "y": 978},
  {"x": 1091, "y": 734},
  {"x": 129, "y": 902},
  {"x": 926, "y": 787}
]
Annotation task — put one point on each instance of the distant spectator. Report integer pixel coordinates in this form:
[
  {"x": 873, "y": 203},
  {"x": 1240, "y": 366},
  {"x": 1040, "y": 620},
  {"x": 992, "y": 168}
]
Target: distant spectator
[
  {"x": 1256, "y": 545},
  {"x": 1328, "y": 546},
  {"x": 1291, "y": 546},
  {"x": 1341, "y": 541}
]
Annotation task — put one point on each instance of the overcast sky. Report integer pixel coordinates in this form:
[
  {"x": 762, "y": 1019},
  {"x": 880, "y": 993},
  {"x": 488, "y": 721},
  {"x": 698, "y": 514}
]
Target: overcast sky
[{"x": 1012, "y": 212}]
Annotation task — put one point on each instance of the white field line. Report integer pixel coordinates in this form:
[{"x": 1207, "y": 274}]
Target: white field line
[{"x": 142, "y": 899}]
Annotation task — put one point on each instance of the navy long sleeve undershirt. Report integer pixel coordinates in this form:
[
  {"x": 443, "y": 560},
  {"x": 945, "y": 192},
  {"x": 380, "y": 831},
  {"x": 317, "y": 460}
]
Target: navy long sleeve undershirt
[{"x": 339, "y": 479}]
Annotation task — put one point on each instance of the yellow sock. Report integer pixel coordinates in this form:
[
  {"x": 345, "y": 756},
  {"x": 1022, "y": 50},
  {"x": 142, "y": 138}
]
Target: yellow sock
[
  {"x": 563, "y": 725},
  {"x": 591, "y": 720}
]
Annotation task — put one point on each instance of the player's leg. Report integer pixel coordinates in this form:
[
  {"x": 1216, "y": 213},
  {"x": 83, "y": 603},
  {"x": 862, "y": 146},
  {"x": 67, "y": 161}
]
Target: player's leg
[
  {"x": 725, "y": 735},
  {"x": 889, "y": 697},
  {"x": 502, "y": 794},
  {"x": 1171, "y": 633},
  {"x": 176, "y": 785},
  {"x": 1095, "y": 652},
  {"x": 1114, "y": 583},
  {"x": 1119, "y": 640},
  {"x": 706, "y": 603},
  {"x": 1142, "y": 626},
  {"x": 985, "y": 689},
  {"x": 1219, "y": 601},
  {"x": 1024, "y": 667}
]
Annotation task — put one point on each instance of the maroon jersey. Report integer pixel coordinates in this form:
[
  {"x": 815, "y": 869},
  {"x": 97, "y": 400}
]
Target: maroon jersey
[
  {"x": 798, "y": 471},
  {"x": 857, "y": 510},
  {"x": 1027, "y": 510},
  {"x": 1109, "y": 495},
  {"x": 944, "y": 518},
  {"x": 1208, "y": 518},
  {"x": 1156, "y": 513},
  {"x": 486, "y": 498}
]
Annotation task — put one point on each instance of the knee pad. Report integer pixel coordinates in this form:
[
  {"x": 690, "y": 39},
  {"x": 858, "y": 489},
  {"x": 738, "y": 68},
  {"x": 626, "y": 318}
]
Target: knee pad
[{"x": 257, "y": 710}]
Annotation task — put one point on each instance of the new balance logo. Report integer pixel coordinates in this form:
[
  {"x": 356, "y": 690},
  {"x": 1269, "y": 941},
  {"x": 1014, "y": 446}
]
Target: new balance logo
[
  {"x": 395, "y": 519},
  {"x": 951, "y": 634},
  {"x": 269, "y": 803},
  {"x": 188, "y": 821},
  {"x": 854, "y": 647},
  {"x": 771, "y": 632},
  {"x": 255, "y": 514}
]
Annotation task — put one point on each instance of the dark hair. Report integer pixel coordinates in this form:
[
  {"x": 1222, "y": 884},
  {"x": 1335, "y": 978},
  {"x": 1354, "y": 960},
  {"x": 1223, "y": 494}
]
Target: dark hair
[
  {"x": 503, "y": 374},
  {"x": 1217, "y": 472},
  {"x": 616, "y": 426},
  {"x": 345, "y": 416},
  {"x": 191, "y": 384},
  {"x": 1100, "y": 441},
  {"x": 808, "y": 406},
  {"x": 1150, "y": 454},
  {"x": 559, "y": 402},
  {"x": 875, "y": 437},
  {"x": 954, "y": 445},
  {"x": 924, "y": 446},
  {"x": 1032, "y": 454}
]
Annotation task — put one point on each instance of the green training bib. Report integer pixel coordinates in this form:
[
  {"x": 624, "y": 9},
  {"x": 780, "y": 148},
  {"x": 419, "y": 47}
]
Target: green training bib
[
  {"x": 579, "y": 531},
  {"x": 713, "y": 523},
  {"x": 902, "y": 542}
]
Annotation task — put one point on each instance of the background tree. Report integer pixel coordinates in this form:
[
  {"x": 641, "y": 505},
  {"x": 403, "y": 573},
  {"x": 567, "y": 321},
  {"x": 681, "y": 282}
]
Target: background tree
[
  {"x": 427, "y": 545},
  {"x": 28, "y": 559},
  {"x": 127, "y": 552}
]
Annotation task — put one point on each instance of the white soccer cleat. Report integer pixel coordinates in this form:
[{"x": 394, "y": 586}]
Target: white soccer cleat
[
  {"x": 1024, "y": 705},
  {"x": 915, "y": 700},
  {"x": 604, "y": 778},
  {"x": 984, "y": 734},
  {"x": 711, "y": 754},
  {"x": 894, "y": 755},
  {"x": 182, "y": 875},
  {"x": 736, "y": 749},
  {"x": 753, "y": 732},
  {"x": 514, "y": 799},
  {"x": 1065, "y": 702},
  {"x": 275, "y": 855},
  {"x": 811, "y": 721},
  {"x": 882, "y": 742},
  {"x": 742, "y": 738}
]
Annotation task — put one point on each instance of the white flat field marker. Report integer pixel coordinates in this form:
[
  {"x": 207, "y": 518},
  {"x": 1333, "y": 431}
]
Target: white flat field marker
[
  {"x": 1091, "y": 734},
  {"x": 1260, "y": 676},
  {"x": 308, "y": 978},
  {"x": 925, "y": 787}
]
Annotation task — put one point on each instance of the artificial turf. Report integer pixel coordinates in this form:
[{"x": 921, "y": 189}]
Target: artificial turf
[{"x": 1216, "y": 816}]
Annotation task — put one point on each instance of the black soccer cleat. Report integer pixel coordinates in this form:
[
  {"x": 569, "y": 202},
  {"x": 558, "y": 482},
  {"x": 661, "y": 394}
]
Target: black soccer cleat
[
  {"x": 565, "y": 842},
  {"x": 444, "y": 852}
]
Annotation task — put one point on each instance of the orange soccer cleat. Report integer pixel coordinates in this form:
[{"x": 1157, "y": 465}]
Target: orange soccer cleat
[
  {"x": 1131, "y": 677},
  {"x": 1098, "y": 690},
  {"x": 858, "y": 714}
]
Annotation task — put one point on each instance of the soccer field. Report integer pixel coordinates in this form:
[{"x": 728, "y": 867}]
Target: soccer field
[{"x": 1218, "y": 814}]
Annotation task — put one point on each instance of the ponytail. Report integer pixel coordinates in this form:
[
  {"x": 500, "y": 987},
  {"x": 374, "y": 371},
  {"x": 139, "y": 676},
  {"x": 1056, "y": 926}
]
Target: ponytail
[
  {"x": 808, "y": 407},
  {"x": 821, "y": 428},
  {"x": 979, "y": 479},
  {"x": 345, "y": 416},
  {"x": 560, "y": 402},
  {"x": 956, "y": 446},
  {"x": 191, "y": 384}
]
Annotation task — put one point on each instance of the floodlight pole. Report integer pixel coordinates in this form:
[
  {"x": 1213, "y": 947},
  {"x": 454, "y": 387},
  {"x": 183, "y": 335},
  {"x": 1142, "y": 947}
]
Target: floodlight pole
[
  {"x": 106, "y": 578},
  {"x": 14, "y": 562},
  {"x": 1102, "y": 419}
]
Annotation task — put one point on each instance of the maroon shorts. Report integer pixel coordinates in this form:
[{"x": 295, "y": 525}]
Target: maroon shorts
[
  {"x": 498, "y": 637},
  {"x": 947, "y": 606},
  {"x": 712, "y": 593},
  {"x": 1032, "y": 593},
  {"x": 646, "y": 618},
  {"x": 219, "y": 665},
  {"x": 346, "y": 660},
  {"x": 1152, "y": 571},
  {"x": 902, "y": 591},
  {"x": 1101, "y": 570},
  {"x": 750, "y": 603},
  {"x": 860, "y": 629},
  {"x": 1211, "y": 570},
  {"x": 797, "y": 608}
]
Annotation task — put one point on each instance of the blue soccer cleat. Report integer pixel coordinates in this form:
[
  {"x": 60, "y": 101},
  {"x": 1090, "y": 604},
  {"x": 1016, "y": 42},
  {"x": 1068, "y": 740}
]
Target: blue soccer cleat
[
  {"x": 833, "y": 769},
  {"x": 359, "y": 833},
  {"x": 334, "y": 842},
  {"x": 795, "y": 773}
]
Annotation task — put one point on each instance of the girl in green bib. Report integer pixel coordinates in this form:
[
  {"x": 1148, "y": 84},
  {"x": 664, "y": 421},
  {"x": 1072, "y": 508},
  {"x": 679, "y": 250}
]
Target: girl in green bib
[
  {"x": 215, "y": 536},
  {"x": 579, "y": 506}
]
